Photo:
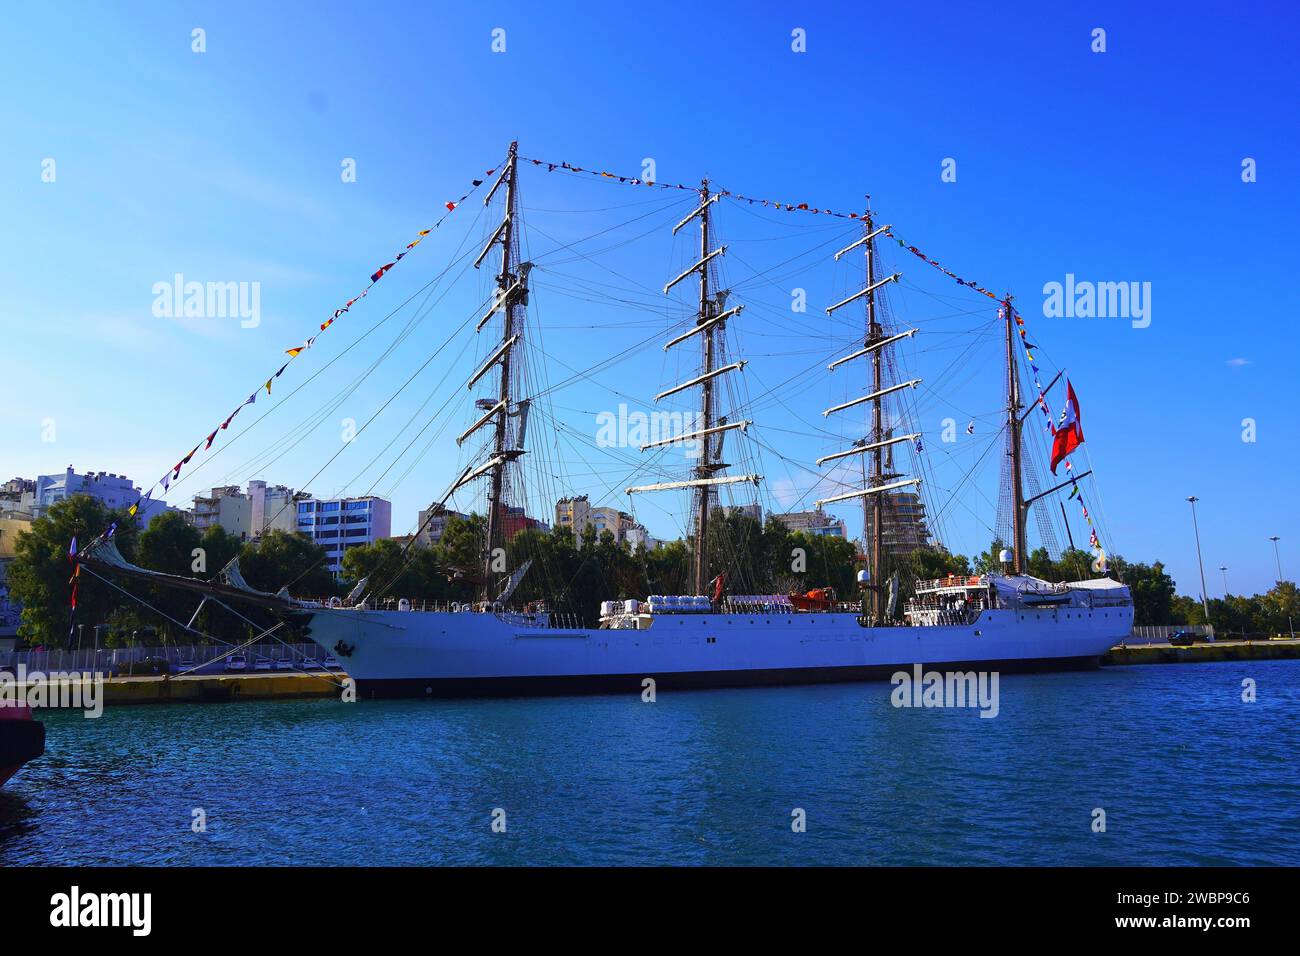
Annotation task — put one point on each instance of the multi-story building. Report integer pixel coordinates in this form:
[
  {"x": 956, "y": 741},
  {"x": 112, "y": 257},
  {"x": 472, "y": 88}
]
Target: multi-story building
[
  {"x": 637, "y": 537},
  {"x": 248, "y": 515},
  {"x": 611, "y": 519},
  {"x": 10, "y": 528},
  {"x": 903, "y": 526},
  {"x": 513, "y": 520},
  {"x": 433, "y": 522},
  {"x": 813, "y": 522},
  {"x": 273, "y": 507},
  {"x": 337, "y": 524},
  {"x": 115, "y": 491},
  {"x": 572, "y": 513},
  {"x": 227, "y": 507},
  {"x": 11, "y": 525},
  {"x": 577, "y": 514},
  {"x": 18, "y": 497}
]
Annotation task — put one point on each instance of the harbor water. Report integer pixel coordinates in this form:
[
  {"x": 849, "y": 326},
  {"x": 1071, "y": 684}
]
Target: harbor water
[{"x": 1184, "y": 770}]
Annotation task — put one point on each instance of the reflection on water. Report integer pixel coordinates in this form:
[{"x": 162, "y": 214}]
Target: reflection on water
[
  {"x": 17, "y": 818},
  {"x": 1186, "y": 772}
]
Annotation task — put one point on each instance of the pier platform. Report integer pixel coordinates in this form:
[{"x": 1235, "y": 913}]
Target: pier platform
[
  {"x": 214, "y": 689},
  {"x": 1220, "y": 650},
  {"x": 203, "y": 688}
]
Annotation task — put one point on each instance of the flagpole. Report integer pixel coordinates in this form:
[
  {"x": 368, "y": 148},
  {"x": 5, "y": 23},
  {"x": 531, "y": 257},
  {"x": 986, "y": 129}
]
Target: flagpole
[
  {"x": 1277, "y": 556},
  {"x": 1205, "y": 602}
]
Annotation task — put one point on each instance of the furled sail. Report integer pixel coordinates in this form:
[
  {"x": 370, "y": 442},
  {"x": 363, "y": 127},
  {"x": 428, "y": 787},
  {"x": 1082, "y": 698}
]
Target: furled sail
[
  {"x": 513, "y": 583},
  {"x": 104, "y": 555}
]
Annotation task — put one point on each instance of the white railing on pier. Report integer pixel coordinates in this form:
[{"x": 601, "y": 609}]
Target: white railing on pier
[
  {"x": 208, "y": 658},
  {"x": 1152, "y": 634}
]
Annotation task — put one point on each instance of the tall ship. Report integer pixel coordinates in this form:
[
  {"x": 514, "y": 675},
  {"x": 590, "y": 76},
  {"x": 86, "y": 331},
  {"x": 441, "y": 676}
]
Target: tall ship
[{"x": 727, "y": 623}]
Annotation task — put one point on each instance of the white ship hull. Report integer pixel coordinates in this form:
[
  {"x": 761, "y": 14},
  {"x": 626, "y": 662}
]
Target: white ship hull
[{"x": 437, "y": 653}]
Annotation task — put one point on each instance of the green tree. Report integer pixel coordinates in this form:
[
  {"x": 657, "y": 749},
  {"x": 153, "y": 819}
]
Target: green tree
[
  {"x": 990, "y": 561},
  {"x": 666, "y": 568},
  {"x": 1185, "y": 610},
  {"x": 219, "y": 546},
  {"x": 166, "y": 545},
  {"x": 286, "y": 559},
  {"x": 39, "y": 577},
  {"x": 395, "y": 572},
  {"x": 927, "y": 564},
  {"x": 1280, "y": 609},
  {"x": 461, "y": 545},
  {"x": 1152, "y": 589}
]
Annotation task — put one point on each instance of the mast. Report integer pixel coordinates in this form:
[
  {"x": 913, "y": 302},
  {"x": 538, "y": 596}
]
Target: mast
[
  {"x": 874, "y": 335},
  {"x": 876, "y": 482},
  {"x": 511, "y": 298},
  {"x": 704, "y": 493},
  {"x": 1019, "y": 507},
  {"x": 710, "y": 324}
]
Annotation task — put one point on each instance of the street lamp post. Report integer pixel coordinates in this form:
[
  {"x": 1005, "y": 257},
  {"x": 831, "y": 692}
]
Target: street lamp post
[
  {"x": 1278, "y": 558},
  {"x": 1205, "y": 601},
  {"x": 1224, "y": 569}
]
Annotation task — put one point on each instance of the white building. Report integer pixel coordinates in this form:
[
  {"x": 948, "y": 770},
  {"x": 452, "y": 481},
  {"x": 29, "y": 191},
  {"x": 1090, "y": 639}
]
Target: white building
[
  {"x": 637, "y": 537},
  {"x": 249, "y": 514},
  {"x": 577, "y": 514},
  {"x": 433, "y": 522},
  {"x": 18, "y": 498},
  {"x": 337, "y": 524},
  {"x": 115, "y": 491},
  {"x": 813, "y": 522}
]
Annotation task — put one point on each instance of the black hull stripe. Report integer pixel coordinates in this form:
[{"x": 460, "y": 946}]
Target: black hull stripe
[{"x": 690, "y": 680}]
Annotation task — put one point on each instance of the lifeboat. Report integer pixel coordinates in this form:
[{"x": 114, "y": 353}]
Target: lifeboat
[{"x": 818, "y": 599}]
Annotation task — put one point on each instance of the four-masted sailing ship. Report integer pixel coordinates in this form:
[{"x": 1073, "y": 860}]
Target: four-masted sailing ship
[{"x": 708, "y": 637}]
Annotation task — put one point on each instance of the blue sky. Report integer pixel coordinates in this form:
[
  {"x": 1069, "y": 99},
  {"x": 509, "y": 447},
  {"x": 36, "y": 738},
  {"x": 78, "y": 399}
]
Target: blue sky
[{"x": 225, "y": 166}]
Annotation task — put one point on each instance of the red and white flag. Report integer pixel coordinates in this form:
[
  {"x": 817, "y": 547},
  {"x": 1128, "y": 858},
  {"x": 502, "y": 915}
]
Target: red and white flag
[{"x": 1069, "y": 435}]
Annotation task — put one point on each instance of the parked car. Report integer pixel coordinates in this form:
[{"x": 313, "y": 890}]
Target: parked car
[
  {"x": 284, "y": 664},
  {"x": 1186, "y": 638},
  {"x": 262, "y": 664},
  {"x": 236, "y": 662},
  {"x": 330, "y": 664},
  {"x": 185, "y": 665},
  {"x": 309, "y": 664}
]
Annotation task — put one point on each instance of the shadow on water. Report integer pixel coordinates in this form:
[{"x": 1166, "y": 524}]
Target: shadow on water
[{"x": 17, "y": 817}]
